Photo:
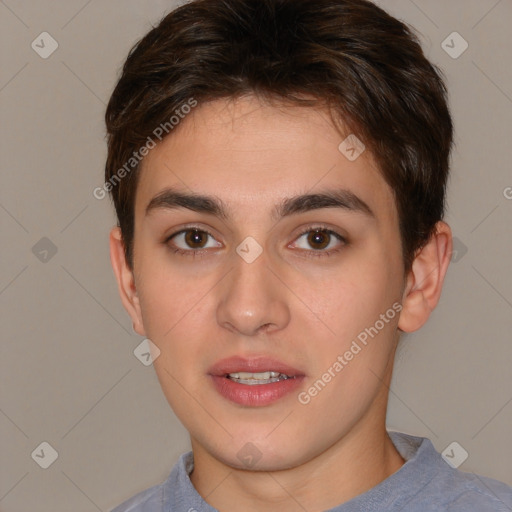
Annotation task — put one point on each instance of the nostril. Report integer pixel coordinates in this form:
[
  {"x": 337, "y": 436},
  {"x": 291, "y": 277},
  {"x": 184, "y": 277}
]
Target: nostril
[{"x": 265, "y": 327}]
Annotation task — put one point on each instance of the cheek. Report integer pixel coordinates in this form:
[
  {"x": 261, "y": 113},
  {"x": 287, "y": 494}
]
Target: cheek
[
  {"x": 359, "y": 304},
  {"x": 172, "y": 320},
  {"x": 167, "y": 296},
  {"x": 354, "y": 296},
  {"x": 173, "y": 306},
  {"x": 350, "y": 365}
]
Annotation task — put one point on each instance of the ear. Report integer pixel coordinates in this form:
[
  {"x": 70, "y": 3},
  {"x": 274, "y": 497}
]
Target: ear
[
  {"x": 125, "y": 280},
  {"x": 425, "y": 279}
]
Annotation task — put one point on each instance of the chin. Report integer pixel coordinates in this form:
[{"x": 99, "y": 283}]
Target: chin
[{"x": 259, "y": 453}]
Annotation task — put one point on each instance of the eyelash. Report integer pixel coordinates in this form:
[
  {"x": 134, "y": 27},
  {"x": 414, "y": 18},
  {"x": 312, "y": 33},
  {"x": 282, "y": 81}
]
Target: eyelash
[
  {"x": 320, "y": 253},
  {"x": 312, "y": 253}
]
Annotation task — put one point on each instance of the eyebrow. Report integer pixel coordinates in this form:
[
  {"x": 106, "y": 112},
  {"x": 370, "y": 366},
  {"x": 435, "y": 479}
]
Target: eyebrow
[{"x": 344, "y": 199}]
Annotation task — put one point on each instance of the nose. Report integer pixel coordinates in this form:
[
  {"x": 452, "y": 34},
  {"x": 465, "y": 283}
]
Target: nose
[{"x": 253, "y": 300}]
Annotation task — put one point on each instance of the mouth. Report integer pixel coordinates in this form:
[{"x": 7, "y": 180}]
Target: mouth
[
  {"x": 251, "y": 379},
  {"x": 256, "y": 381}
]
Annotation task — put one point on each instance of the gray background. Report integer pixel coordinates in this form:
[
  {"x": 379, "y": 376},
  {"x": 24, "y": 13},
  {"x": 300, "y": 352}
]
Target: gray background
[{"x": 68, "y": 373}]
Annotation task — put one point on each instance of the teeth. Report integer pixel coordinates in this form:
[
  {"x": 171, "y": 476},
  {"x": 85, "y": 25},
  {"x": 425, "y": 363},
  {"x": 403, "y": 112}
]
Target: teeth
[{"x": 257, "y": 378}]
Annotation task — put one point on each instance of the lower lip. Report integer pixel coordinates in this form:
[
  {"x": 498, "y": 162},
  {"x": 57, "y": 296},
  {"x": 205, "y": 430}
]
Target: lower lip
[{"x": 257, "y": 394}]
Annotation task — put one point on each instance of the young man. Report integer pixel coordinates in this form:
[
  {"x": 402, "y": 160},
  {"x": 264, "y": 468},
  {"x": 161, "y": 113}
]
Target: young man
[{"x": 278, "y": 169}]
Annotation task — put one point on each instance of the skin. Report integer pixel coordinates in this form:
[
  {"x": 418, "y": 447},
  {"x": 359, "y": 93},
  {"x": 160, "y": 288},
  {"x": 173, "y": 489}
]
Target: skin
[{"x": 291, "y": 303}]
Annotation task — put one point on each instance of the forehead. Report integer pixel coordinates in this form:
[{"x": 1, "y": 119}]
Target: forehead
[{"x": 253, "y": 155}]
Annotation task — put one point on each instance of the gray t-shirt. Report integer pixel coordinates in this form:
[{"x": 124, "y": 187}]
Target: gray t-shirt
[{"x": 425, "y": 483}]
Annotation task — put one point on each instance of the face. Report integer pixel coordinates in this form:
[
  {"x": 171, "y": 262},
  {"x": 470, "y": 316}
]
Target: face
[{"x": 247, "y": 267}]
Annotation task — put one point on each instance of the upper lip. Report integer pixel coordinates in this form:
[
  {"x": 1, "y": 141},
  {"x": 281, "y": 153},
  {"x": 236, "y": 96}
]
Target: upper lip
[{"x": 252, "y": 365}]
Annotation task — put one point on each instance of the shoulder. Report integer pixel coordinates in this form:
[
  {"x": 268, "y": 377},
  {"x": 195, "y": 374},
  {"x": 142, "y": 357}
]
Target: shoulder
[
  {"x": 469, "y": 491},
  {"x": 150, "y": 500},
  {"x": 437, "y": 486},
  {"x": 168, "y": 495}
]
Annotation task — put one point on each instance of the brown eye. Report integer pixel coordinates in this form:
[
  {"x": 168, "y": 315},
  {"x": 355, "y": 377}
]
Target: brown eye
[
  {"x": 196, "y": 239},
  {"x": 319, "y": 239},
  {"x": 192, "y": 241}
]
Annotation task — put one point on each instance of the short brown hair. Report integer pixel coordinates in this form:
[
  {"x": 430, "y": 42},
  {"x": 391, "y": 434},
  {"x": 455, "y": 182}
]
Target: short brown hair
[{"x": 363, "y": 64}]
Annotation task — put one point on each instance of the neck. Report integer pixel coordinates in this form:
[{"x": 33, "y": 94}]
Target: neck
[{"x": 360, "y": 460}]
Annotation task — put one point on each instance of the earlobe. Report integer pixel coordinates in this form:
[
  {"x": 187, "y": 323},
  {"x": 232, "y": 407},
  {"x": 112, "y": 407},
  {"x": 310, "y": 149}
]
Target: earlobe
[
  {"x": 425, "y": 279},
  {"x": 125, "y": 280}
]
